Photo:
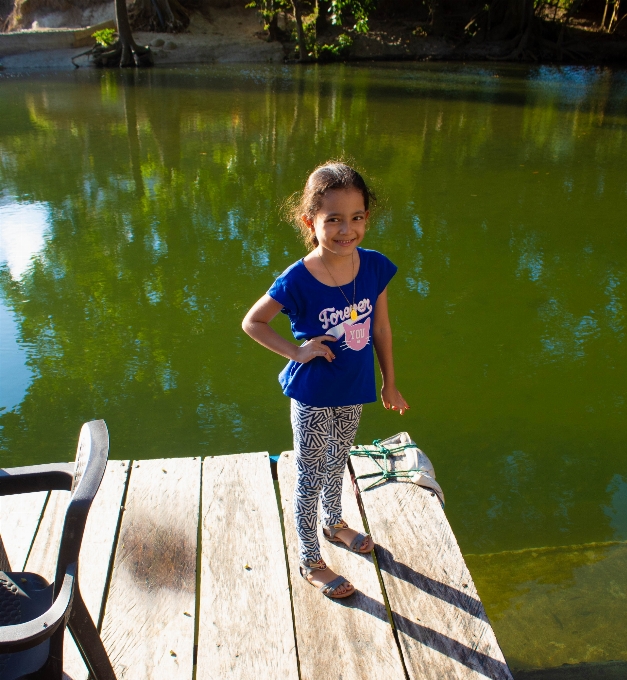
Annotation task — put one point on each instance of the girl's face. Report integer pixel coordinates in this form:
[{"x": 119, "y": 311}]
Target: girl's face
[{"x": 340, "y": 223}]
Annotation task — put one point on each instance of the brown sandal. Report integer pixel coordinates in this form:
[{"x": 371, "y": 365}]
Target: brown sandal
[
  {"x": 356, "y": 544},
  {"x": 326, "y": 589}
]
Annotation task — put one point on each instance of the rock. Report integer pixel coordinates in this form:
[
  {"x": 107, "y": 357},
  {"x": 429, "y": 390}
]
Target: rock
[
  {"x": 157, "y": 42},
  {"x": 170, "y": 45}
]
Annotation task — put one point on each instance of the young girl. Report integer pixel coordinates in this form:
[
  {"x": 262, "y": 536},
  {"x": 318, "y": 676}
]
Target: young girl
[{"x": 336, "y": 300}]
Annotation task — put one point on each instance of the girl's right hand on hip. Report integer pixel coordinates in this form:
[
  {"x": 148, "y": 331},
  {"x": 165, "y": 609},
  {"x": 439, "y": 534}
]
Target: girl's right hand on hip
[{"x": 315, "y": 348}]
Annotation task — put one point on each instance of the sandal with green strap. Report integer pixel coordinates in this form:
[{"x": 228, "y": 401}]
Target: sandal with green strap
[
  {"x": 327, "y": 589},
  {"x": 356, "y": 545}
]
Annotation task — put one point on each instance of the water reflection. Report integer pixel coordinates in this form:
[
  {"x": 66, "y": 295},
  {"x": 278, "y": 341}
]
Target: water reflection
[
  {"x": 22, "y": 235},
  {"x": 14, "y": 373},
  {"x": 503, "y": 192}
]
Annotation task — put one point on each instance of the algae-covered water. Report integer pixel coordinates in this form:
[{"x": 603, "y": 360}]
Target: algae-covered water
[{"x": 140, "y": 218}]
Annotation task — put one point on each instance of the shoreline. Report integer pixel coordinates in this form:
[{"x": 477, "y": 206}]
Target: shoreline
[{"x": 235, "y": 35}]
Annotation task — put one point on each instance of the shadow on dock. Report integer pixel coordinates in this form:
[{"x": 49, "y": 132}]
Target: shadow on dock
[
  {"x": 476, "y": 661},
  {"x": 453, "y": 596}
]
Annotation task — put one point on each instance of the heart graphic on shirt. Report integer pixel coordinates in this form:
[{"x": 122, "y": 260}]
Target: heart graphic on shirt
[{"x": 357, "y": 335}]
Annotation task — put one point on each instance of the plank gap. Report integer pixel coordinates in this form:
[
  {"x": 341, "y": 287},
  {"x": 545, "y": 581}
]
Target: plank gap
[
  {"x": 198, "y": 575},
  {"x": 32, "y": 543},
  {"x": 375, "y": 560},
  {"x": 277, "y": 495}
]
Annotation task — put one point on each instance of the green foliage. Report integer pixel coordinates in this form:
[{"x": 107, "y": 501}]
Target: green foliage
[
  {"x": 339, "y": 11},
  {"x": 359, "y": 9},
  {"x": 105, "y": 36},
  {"x": 269, "y": 9},
  {"x": 337, "y": 49},
  {"x": 309, "y": 29}
]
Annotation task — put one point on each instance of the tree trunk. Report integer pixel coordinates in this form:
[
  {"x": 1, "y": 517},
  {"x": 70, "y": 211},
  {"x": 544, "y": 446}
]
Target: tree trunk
[
  {"x": 130, "y": 110},
  {"x": 125, "y": 52},
  {"x": 300, "y": 32},
  {"x": 322, "y": 18},
  {"x": 273, "y": 28},
  {"x": 124, "y": 31},
  {"x": 132, "y": 54}
]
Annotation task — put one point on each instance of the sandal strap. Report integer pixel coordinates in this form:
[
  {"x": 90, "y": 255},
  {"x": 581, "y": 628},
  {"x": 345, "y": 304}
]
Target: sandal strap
[
  {"x": 307, "y": 566},
  {"x": 358, "y": 542},
  {"x": 330, "y": 587},
  {"x": 334, "y": 528}
]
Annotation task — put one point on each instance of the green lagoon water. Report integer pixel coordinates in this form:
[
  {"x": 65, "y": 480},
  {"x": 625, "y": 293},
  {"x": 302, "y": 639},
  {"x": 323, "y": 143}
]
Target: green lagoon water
[{"x": 140, "y": 218}]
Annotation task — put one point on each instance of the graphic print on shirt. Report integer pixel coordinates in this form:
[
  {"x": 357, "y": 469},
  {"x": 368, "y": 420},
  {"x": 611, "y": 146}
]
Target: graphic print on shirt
[
  {"x": 356, "y": 335},
  {"x": 337, "y": 322}
]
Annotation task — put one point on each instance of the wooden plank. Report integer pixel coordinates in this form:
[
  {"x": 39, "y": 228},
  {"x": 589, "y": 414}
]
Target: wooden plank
[
  {"x": 246, "y": 628},
  {"x": 95, "y": 556},
  {"x": 442, "y": 626},
  {"x": 19, "y": 517},
  {"x": 45, "y": 551},
  {"x": 343, "y": 639},
  {"x": 148, "y": 627}
]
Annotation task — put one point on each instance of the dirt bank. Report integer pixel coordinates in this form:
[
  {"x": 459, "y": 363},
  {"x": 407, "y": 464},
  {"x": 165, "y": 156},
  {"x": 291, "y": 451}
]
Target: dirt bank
[{"x": 226, "y": 35}]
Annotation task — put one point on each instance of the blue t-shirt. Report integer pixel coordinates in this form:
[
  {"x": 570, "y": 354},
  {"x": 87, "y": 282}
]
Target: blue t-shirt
[{"x": 317, "y": 309}]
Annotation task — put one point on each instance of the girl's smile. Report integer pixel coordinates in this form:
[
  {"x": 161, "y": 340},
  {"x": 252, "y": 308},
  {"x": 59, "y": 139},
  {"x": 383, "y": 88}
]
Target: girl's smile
[{"x": 340, "y": 222}]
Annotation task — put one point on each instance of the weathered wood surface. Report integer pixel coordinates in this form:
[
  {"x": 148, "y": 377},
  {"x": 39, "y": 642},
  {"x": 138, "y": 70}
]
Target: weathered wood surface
[
  {"x": 45, "y": 550},
  {"x": 246, "y": 628},
  {"x": 95, "y": 556},
  {"x": 148, "y": 627},
  {"x": 19, "y": 518},
  {"x": 441, "y": 623},
  {"x": 350, "y": 638}
]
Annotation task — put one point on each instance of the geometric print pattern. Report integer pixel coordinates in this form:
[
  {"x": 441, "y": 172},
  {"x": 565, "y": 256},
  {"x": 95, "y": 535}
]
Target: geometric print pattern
[{"x": 322, "y": 439}]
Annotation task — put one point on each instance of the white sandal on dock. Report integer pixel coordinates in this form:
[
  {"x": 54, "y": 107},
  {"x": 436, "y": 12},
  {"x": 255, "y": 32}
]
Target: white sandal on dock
[
  {"x": 326, "y": 589},
  {"x": 355, "y": 545}
]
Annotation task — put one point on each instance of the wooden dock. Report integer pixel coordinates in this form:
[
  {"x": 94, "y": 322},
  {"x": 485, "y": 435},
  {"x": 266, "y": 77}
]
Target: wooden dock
[{"x": 190, "y": 567}]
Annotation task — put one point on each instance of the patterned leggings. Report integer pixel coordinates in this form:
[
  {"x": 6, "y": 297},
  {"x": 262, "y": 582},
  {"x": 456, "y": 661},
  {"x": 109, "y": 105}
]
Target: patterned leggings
[{"x": 322, "y": 439}]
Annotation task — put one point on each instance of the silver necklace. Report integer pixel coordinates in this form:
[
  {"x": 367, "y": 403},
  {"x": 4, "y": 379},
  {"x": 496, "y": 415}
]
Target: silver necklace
[{"x": 353, "y": 307}]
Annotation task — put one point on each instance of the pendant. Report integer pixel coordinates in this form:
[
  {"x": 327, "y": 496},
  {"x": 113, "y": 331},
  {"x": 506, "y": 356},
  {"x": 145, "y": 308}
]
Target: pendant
[{"x": 353, "y": 314}]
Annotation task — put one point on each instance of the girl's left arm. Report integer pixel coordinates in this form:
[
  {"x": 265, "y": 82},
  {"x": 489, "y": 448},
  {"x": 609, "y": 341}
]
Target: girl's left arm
[{"x": 382, "y": 338}]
